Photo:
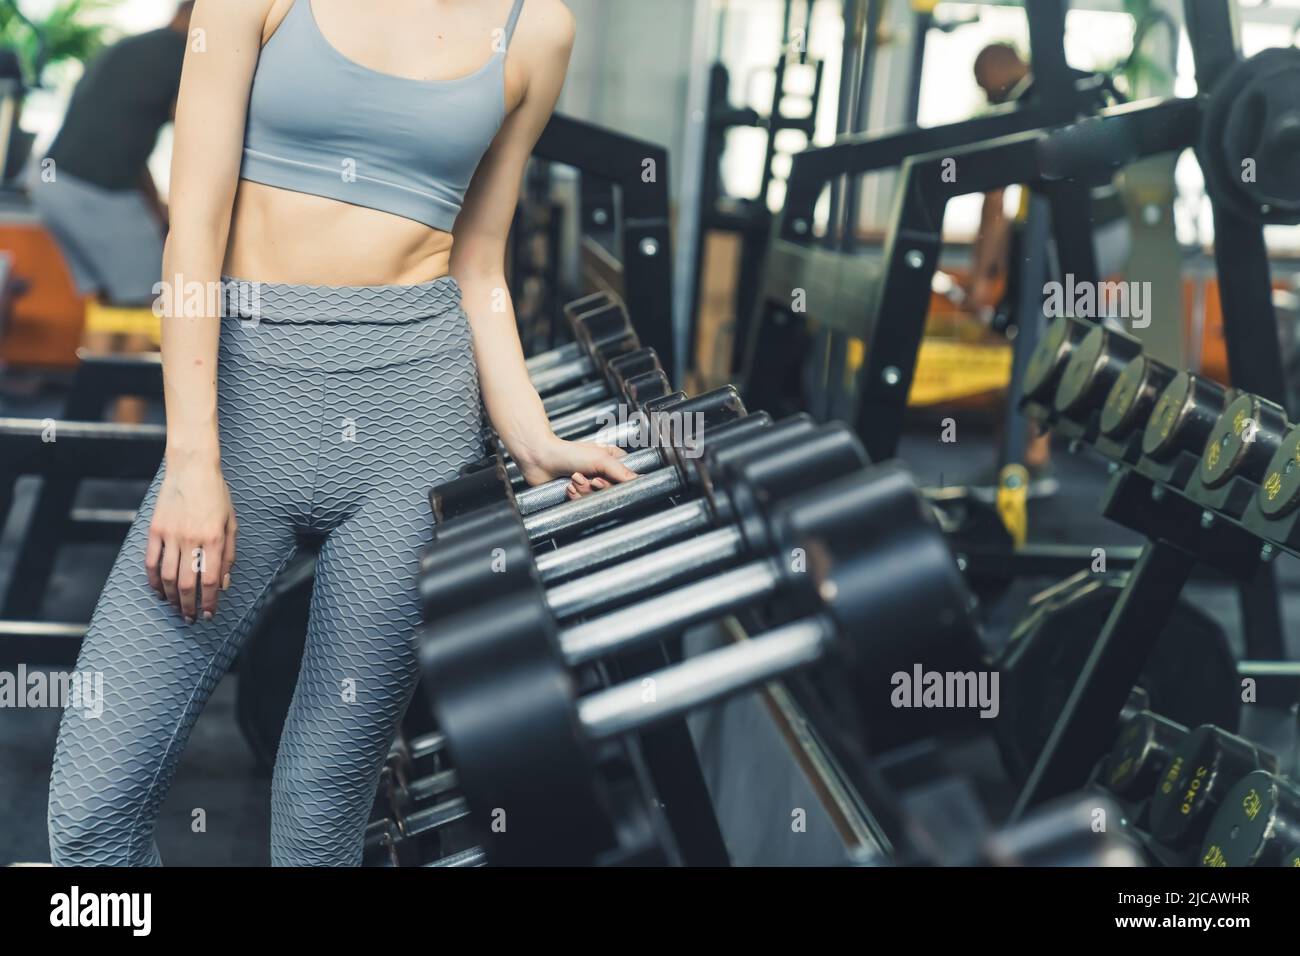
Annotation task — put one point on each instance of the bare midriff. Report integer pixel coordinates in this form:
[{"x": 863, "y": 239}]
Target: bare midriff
[{"x": 277, "y": 235}]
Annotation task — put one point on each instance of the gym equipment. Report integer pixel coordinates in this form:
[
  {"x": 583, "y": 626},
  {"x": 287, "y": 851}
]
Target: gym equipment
[
  {"x": 1141, "y": 755},
  {"x": 662, "y": 420},
  {"x": 1251, "y": 117},
  {"x": 738, "y": 483},
  {"x": 1279, "y": 492},
  {"x": 1048, "y": 360},
  {"x": 1134, "y": 395},
  {"x": 1095, "y": 364},
  {"x": 1208, "y": 763},
  {"x": 1190, "y": 674},
  {"x": 1243, "y": 441},
  {"x": 53, "y": 450},
  {"x": 1258, "y": 823},
  {"x": 1183, "y": 417},
  {"x": 637, "y": 264},
  {"x": 532, "y": 767}
]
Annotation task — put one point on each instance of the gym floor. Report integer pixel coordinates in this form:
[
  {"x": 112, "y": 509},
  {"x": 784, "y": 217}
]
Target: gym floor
[{"x": 217, "y": 772}]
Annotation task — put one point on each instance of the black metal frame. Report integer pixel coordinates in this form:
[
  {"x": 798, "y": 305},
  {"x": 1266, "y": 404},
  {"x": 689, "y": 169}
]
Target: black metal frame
[{"x": 640, "y": 266}]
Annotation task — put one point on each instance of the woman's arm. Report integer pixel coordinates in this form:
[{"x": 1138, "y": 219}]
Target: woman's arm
[
  {"x": 478, "y": 264},
  {"x": 192, "y": 536}
]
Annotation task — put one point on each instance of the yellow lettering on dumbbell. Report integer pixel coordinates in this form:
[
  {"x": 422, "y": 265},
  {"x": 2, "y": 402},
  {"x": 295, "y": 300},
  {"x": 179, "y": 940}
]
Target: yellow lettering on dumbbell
[
  {"x": 1273, "y": 485},
  {"x": 1214, "y": 857},
  {"x": 1212, "y": 455},
  {"x": 1252, "y": 804},
  {"x": 1171, "y": 775}
]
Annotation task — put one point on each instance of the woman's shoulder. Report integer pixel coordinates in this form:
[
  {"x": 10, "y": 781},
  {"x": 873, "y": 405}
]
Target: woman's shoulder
[{"x": 546, "y": 25}]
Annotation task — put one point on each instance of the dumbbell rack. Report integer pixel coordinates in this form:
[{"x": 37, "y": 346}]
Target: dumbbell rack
[{"x": 1184, "y": 524}]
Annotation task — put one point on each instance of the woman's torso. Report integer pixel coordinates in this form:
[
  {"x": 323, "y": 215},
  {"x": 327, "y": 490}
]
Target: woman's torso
[{"x": 425, "y": 51}]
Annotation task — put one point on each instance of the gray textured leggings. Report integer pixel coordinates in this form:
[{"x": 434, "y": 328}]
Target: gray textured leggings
[{"x": 339, "y": 407}]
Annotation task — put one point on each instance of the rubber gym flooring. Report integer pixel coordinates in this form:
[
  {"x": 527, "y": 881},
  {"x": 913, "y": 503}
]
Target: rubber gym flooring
[{"x": 217, "y": 770}]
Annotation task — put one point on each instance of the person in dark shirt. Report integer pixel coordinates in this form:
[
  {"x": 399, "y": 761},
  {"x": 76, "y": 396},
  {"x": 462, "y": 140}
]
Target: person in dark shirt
[{"x": 93, "y": 188}]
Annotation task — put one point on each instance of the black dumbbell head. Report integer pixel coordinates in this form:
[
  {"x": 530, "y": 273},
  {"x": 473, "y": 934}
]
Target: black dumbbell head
[
  {"x": 1258, "y": 823},
  {"x": 1243, "y": 441},
  {"x": 1133, "y": 396},
  {"x": 1202, "y": 769},
  {"x": 1092, "y": 369},
  {"x": 1279, "y": 492},
  {"x": 1043, "y": 371},
  {"x": 1141, "y": 755},
  {"x": 1183, "y": 416}
]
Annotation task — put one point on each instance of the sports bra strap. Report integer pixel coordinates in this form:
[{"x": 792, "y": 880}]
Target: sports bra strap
[{"x": 513, "y": 21}]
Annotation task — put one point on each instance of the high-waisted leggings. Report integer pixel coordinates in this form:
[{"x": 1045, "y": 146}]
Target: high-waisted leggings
[{"x": 338, "y": 409}]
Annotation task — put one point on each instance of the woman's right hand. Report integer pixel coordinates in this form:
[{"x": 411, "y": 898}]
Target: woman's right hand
[{"x": 192, "y": 539}]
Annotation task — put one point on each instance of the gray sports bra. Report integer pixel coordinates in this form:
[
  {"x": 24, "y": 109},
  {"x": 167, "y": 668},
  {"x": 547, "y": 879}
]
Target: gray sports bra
[{"x": 318, "y": 123}]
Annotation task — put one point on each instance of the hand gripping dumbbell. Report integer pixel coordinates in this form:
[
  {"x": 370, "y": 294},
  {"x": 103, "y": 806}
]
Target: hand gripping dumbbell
[
  {"x": 738, "y": 485},
  {"x": 1258, "y": 824},
  {"x": 1208, "y": 763},
  {"x": 656, "y": 438},
  {"x": 455, "y": 499},
  {"x": 528, "y": 749}
]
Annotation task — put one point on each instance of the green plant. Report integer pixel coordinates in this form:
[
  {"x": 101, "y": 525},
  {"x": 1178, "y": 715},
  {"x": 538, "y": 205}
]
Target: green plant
[
  {"x": 66, "y": 33},
  {"x": 1139, "y": 69}
]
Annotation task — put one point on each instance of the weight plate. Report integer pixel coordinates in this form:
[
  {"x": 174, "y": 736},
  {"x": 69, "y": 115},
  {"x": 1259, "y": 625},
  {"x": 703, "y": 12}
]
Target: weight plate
[
  {"x": 1204, "y": 767},
  {"x": 1045, "y": 365},
  {"x": 1141, "y": 755},
  {"x": 1279, "y": 494},
  {"x": 1292, "y": 858},
  {"x": 1242, "y": 441},
  {"x": 1133, "y": 395},
  {"x": 1093, "y": 366},
  {"x": 1257, "y": 825},
  {"x": 1250, "y": 137},
  {"x": 1190, "y": 675},
  {"x": 1183, "y": 417}
]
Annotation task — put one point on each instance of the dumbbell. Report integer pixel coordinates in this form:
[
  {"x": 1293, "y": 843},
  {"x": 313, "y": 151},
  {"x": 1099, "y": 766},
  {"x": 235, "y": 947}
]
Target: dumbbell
[
  {"x": 1258, "y": 824},
  {"x": 1134, "y": 395},
  {"x": 739, "y": 483},
  {"x": 601, "y": 334},
  {"x": 1279, "y": 493},
  {"x": 633, "y": 376},
  {"x": 712, "y": 415},
  {"x": 420, "y": 756},
  {"x": 1094, "y": 365},
  {"x": 1141, "y": 755},
  {"x": 572, "y": 350},
  {"x": 416, "y": 839},
  {"x": 1183, "y": 417},
  {"x": 642, "y": 461},
  {"x": 534, "y": 763},
  {"x": 1243, "y": 441},
  {"x": 1047, "y": 362},
  {"x": 1208, "y": 763}
]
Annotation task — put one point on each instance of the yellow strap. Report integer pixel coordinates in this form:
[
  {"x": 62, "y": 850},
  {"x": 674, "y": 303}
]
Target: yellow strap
[{"x": 924, "y": 6}]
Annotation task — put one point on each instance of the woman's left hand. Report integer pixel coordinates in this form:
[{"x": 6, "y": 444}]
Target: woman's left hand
[{"x": 590, "y": 467}]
